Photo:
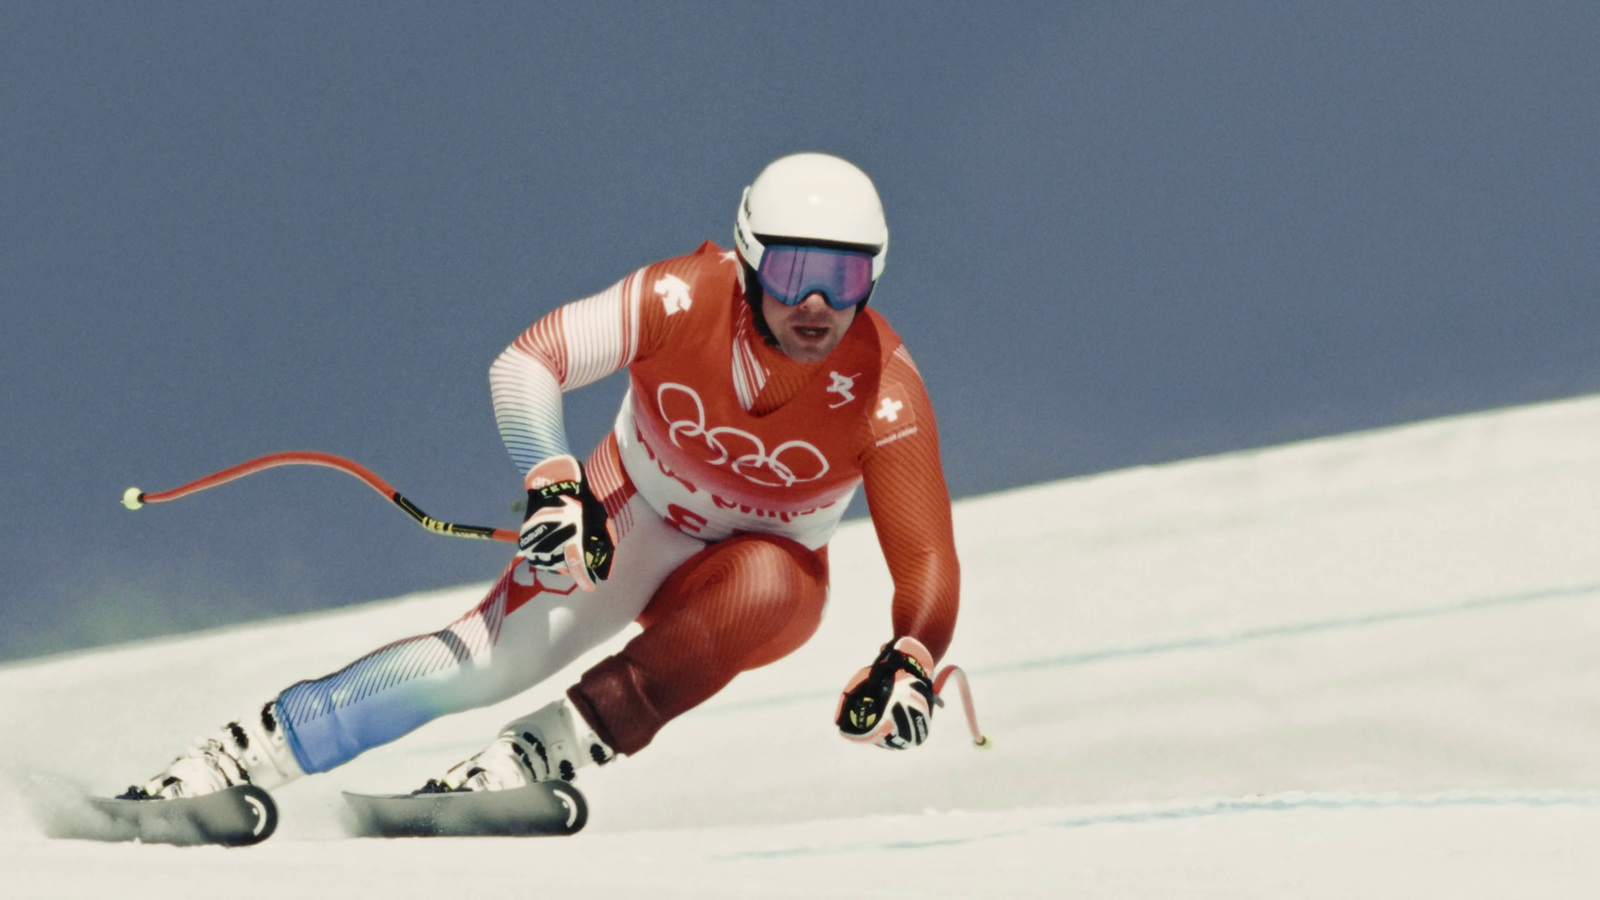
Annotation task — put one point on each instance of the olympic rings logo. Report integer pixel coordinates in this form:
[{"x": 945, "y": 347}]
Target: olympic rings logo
[{"x": 749, "y": 458}]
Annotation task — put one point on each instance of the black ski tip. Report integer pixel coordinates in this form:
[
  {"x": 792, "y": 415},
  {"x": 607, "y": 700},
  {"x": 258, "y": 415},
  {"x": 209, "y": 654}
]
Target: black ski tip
[
  {"x": 573, "y": 805},
  {"x": 266, "y": 817}
]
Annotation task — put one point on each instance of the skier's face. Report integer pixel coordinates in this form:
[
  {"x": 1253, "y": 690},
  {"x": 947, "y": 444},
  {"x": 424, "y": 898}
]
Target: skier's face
[{"x": 808, "y": 331}]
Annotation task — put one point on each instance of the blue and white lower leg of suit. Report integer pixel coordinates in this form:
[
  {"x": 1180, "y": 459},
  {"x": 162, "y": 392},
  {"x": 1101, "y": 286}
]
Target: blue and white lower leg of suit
[{"x": 531, "y": 625}]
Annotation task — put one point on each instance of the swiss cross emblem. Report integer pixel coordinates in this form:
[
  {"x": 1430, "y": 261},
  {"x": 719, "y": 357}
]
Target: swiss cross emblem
[{"x": 892, "y": 411}]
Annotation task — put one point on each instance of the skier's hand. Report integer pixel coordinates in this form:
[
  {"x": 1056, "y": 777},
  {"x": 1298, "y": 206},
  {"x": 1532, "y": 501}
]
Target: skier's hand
[
  {"x": 890, "y": 703},
  {"x": 566, "y": 529}
]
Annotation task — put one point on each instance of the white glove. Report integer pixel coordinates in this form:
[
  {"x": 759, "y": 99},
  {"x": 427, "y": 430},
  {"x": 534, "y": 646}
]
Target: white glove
[{"x": 566, "y": 529}]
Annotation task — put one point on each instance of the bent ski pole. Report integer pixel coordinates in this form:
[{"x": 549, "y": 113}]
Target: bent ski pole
[
  {"x": 133, "y": 498},
  {"x": 979, "y": 739}
]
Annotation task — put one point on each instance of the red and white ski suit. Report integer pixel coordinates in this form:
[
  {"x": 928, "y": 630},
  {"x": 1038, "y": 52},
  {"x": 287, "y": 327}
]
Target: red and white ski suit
[{"x": 728, "y": 469}]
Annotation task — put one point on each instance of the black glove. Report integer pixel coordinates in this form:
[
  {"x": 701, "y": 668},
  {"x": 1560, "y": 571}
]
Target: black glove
[
  {"x": 890, "y": 703},
  {"x": 566, "y": 529}
]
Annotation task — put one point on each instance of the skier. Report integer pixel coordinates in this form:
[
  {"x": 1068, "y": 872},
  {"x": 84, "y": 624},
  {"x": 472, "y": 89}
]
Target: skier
[{"x": 763, "y": 393}]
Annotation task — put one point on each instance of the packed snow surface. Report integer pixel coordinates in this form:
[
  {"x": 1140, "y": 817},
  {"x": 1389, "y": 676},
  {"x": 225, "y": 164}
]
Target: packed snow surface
[{"x": 1362, "y": 666}]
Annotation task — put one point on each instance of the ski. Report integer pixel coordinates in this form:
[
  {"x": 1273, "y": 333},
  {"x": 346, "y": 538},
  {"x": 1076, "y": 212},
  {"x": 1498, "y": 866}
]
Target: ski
[
  {"x": 235, "y": 817},
  {"x": 546, "y": 808}
]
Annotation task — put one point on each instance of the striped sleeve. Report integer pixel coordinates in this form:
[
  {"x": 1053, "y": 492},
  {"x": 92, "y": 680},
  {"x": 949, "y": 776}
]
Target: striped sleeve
[
  {"x": 574, "y": 345},
  {"x": 910, "y": 505}
]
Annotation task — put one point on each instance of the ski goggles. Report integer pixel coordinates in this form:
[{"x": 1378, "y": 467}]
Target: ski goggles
[{"x": 792, "y": 273}]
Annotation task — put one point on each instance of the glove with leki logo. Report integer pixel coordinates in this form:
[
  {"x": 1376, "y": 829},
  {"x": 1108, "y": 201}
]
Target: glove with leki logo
[
  {"x": 890, "y": 703},
  {"x": 566, "y": 529}
]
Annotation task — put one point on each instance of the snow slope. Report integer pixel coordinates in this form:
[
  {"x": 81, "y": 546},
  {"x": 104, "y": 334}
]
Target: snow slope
[{"x": 1359, "y": 666}]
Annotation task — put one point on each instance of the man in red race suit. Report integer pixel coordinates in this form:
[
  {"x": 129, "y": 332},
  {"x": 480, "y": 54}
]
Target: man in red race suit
[{"x": 762, "y": 394}]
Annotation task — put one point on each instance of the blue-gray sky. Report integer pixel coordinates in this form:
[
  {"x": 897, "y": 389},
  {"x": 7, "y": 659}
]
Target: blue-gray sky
[{"x": 1123, "y": 234}]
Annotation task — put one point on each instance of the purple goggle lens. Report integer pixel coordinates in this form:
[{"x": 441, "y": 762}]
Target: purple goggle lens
[{"x": 791, "y": 274}]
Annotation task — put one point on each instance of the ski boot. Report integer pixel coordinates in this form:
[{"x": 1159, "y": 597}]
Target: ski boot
[
  {"x": 551, "y": 743},
  {"x": 249, "y": 750}
]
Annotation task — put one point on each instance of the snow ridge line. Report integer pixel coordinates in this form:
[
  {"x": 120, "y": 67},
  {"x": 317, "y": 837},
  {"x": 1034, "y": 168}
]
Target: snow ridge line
[
  {"x": 1276, "y": 803},
  {"x": 1206, "y": 642},
  {"x": 1297, "y": 629}
]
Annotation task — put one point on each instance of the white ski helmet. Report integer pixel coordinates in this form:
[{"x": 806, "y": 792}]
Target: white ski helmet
[{"x": 811, "y": 197}]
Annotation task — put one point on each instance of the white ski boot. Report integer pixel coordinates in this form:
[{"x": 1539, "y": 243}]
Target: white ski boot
[
  {"x": 551, "y": 743},
  {"x": 248, "y": 750}
]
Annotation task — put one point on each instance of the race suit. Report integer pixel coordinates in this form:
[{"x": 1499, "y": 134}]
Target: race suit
[{"x": 728, "y": 469}]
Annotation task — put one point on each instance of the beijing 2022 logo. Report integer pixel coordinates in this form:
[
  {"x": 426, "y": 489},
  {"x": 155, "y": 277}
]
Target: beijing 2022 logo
[{"x": 790, "y": 463}]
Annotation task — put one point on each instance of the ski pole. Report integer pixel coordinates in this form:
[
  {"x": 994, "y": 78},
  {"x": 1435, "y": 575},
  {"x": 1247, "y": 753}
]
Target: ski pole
[
  {"x": 133, "y": 498},
  {"x": 979, "y": 739}
]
